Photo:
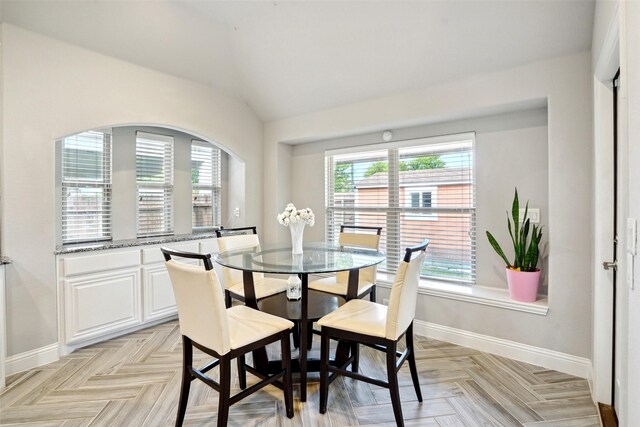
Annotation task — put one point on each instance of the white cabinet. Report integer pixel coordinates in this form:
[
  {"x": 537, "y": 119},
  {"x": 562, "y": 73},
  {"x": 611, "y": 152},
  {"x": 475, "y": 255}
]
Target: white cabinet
[
  {"x": 98, "y": 304},
  {"x": 100, "y": 294},
  {"x": 158, "y": 293},
  {"x": 109, "y": 292}
]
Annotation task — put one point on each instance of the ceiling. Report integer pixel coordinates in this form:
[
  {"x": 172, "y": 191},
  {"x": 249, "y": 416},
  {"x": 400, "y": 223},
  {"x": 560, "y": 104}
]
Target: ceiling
[{"x": 287, "y": 58}]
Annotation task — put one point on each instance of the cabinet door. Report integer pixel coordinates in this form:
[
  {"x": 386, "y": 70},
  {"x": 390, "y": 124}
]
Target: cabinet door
[
  {"x": 158, "y": 296},
  {"x": 98, "y": 304}
]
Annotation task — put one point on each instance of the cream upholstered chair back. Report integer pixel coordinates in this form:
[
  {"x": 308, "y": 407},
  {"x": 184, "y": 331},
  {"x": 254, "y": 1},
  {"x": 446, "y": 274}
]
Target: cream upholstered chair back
[
  {"x": 359, "y": 240},
  {"x": 201, "y": 311},
  {"x": 231, "y": 276},
  {"x": 402, "y": 301}
]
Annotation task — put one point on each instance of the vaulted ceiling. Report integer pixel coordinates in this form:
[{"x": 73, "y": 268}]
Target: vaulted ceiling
[{"x": 287, "y": 58}]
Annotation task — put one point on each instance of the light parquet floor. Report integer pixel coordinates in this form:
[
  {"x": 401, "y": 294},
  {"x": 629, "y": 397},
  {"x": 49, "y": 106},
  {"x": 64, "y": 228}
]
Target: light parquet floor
[{"x": 134, "y": 380}]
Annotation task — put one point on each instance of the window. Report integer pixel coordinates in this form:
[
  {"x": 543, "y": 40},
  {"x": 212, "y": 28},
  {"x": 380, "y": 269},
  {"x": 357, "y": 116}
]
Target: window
[
  {"x": 205, "y": 181},
  {"x": 86, "y": 187},
  {"x": 420, "y": 197},
  {"x": 415, "y": 189},
  {"x": 154, "y": 176}
]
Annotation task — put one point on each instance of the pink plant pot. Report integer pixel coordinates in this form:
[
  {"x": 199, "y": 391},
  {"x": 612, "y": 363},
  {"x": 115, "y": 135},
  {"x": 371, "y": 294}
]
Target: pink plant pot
[{"x": 523, "y": 285}]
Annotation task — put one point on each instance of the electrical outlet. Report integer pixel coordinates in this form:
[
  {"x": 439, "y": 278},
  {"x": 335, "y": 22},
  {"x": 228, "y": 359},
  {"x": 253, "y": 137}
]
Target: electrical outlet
[{"x": 236, "y": 212}]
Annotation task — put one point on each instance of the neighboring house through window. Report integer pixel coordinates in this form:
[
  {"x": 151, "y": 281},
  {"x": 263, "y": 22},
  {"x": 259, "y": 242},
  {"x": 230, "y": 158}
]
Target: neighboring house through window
[
  {"x": 86, "y": 187},
  {"x": 421, "y": 200},
  {"x": 415, "y": 189}
]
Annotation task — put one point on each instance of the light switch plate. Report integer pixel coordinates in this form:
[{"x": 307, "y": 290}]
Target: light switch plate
[
  {"x": 632, "y": 247},
  {"x": 533, "y": 214},
  {"x": 630, "y": 259}
]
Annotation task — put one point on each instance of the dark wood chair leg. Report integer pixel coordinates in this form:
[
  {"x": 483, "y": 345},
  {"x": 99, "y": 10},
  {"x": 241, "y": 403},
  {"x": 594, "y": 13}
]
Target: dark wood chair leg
[
  {"x": 187, "y": 361},
  {"x": 392, "y": 375},
  {"x": 412, "y": 362},
  {"x": 285, "y": 347},
  {"x": 372, "y": 294},
  {"x": 296, "y": 335},
  {"x": 324, "y": 373},
  {"x": 242, "y": 372},
  {"x": 355, "y": 352},
  {"x": 225, "y": 391},
  {"x": 227, "y": 298}
]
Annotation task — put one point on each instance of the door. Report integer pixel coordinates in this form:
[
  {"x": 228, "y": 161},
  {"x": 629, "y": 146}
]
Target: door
[
  {"x": 615, "y": 268},
  {"x": 617, "y": 220}
]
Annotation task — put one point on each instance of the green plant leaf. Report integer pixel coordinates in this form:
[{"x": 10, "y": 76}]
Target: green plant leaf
[
  {"x": 513, "y": 241},
  {"x": 515, "y": 214},
  {"x": 531, "y": 259},
  {"x": 496, "y": 247},
  {"x": 525, "y": 237},
  {"x": 538, "y": 240}
]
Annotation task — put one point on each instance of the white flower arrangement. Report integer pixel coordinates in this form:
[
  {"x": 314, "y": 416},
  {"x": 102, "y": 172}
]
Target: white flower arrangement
[{"x": 291, "y": 215}]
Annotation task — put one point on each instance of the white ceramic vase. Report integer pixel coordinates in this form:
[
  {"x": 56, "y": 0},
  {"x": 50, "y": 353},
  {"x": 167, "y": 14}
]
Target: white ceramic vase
[{"x": 297, "y": 232}]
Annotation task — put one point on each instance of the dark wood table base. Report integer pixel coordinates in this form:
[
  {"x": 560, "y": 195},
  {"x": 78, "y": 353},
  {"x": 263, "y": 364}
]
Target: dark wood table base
[{"x": 318, "y": 305}]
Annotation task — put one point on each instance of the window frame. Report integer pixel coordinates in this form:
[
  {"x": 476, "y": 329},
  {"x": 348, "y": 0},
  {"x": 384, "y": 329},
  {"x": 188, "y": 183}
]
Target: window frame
[
  {"x": 167, "y": 143},
  {"x": 104, "y": 184},
  {"x": 215, "y": 187},
  {"x": 394, "y": 231}
]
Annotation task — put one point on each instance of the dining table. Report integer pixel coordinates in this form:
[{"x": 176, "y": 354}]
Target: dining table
[{"x": 316, "y": 258}]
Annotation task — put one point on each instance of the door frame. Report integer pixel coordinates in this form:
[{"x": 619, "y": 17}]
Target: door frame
[{"x": 606, "y": 67}]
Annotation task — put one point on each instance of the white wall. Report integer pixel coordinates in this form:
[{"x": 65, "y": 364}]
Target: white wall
[
  {"x": 499, "y": 139},
  {"x": 52, "y": 89},
  {"x": 566, "y": 83},
  {"x": 630, "y": 61},
  {"x": 1, "y": 133}
]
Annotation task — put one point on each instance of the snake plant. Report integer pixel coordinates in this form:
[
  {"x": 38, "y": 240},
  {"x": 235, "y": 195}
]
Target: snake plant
[{"x": 526, "y": 249}]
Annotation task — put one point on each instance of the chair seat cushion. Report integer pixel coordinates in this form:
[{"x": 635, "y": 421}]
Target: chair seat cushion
[
  {"x": 247, "y": 325},
  {"x": 333, "y": 286},
  {"x": 359, "y": 316},
  {"x": 264, "y": 287}
]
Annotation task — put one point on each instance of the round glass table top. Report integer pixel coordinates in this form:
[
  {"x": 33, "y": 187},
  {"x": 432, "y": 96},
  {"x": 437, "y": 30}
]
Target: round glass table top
[{"x": 316, "y": 258}]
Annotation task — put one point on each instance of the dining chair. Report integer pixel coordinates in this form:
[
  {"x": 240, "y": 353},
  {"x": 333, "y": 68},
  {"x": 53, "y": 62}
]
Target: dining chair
[
  {"x": 377, "y": 326},
  {"x": 241, "y": 238},
  {"x": 223, "y": 333},
  {"x": 356, "y": 236}
]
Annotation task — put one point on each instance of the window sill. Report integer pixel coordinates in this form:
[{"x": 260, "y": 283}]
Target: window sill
[{"x": 474, "y": 294}]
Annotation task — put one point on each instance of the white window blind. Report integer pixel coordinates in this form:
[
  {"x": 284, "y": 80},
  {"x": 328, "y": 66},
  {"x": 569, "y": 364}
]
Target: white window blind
[
  {"x": 414, "y": 189},
  {"x": 205, "y": 181},
  {"x": 154, "y": 175},
  {"x": 86, "y": 187}
]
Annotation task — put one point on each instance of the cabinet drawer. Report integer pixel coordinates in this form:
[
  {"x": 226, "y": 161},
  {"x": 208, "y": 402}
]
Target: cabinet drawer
[{"x": 84, "y": 264}]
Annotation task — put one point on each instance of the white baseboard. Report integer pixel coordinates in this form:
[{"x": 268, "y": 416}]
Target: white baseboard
[
  {"x": 550, "y": 359},
  {"x": 31, "y": 359}
]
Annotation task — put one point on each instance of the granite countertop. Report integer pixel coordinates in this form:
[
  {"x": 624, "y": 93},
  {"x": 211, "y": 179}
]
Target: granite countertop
[
  {"x": 4, "y": 260},
  {"x": 115, "y": 244}
]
